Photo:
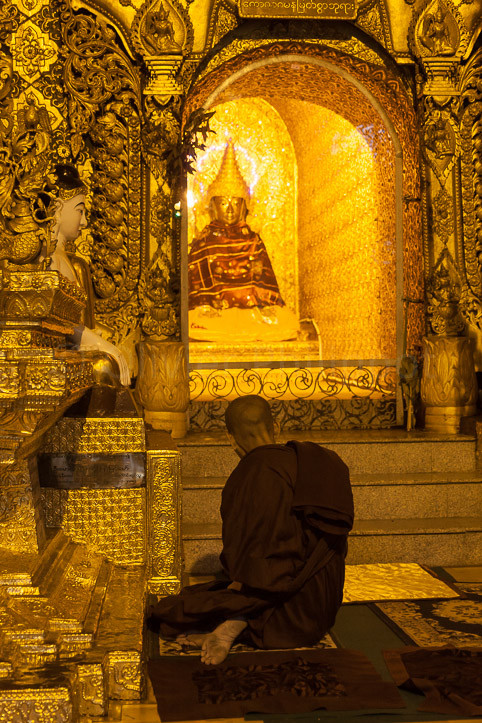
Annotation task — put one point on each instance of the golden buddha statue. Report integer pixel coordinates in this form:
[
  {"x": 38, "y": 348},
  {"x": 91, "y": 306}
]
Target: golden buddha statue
[
  {"x": 69, "y": 219},
  {"x": 233, "y": 292}
]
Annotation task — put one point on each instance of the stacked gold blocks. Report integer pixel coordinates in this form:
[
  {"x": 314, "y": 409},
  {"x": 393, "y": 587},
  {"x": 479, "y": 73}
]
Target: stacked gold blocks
[
  {"x": 39, "y": 379},
  {"x": 112, "y": 520},
  {"x": 72, "y": 631}
]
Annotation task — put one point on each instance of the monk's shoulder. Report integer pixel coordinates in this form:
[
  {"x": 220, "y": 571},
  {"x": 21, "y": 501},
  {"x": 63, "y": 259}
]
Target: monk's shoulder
[{"x": 275, "y": 457}]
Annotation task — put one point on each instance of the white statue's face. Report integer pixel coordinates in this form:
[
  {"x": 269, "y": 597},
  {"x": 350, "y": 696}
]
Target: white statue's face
[
  {"x": 228, "y": 209},
  {"x": 70, "y": 218}
]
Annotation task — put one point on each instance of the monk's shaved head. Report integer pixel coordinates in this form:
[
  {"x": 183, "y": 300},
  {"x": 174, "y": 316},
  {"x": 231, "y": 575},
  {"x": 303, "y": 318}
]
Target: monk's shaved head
[{"x": 249, "y": 421}]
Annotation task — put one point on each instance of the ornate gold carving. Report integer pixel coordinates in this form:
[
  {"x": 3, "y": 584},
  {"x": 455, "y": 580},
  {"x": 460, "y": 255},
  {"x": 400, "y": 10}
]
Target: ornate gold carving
[
  {"x": 111, "y": 435},
  {"x": 164, "y": 505},
  {"x": 437, "y": 31},
  {"x": 161, "y": 27},
  {"x": 443, "y": 216},
  {"x": 37, "y": 705},
  {"x": 161, "y": 32},
  {"x": 449, "y": 384},
  {"x": 111, "y": 520},
  {"x": 470, "y": 111},
  {"x": 162, "y": 385},
  {"x": 90, "y": 690},
  {"x": 222, "y": 20},
  {"x": 293, "y": 383},
  {"x": 371, "y": 19},
  {"x": 18, "y": 518},
  {"x": 124, "y": 675},
  {"x": 444, "y": 290},
  {"x": 33, "y": 51},
  {"x": 441, "y": 142},
  {"x": 90, "y": 620},
  {"x": 439, "y": 38},
  {"x": 72, "y": 599},
  {"x": 24, "y": 165},
  {"x": 107, "y": 114}
]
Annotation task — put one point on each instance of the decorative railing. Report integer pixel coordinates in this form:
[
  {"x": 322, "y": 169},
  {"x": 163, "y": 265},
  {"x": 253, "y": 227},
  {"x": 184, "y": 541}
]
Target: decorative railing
[{"x": 310, "y": 382}]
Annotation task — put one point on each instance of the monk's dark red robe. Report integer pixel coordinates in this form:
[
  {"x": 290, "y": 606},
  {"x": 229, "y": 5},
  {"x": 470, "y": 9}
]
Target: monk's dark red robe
[
  {"x": 229, "y": 266},
  {"x": 286, "y": 511}
]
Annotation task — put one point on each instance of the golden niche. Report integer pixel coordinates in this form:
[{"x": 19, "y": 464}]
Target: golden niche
[
  {"x": 323, "y": 202},
  {"x": 233, "y": 291}
]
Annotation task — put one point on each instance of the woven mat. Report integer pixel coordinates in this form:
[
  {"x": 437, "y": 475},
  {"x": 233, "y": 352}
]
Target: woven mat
[
  {"x": 269, "y": 682},
  {"x": 392, "y": 581},
  {"x": 170, "y": 647},
  {"x": 438, "y": 622},
  {"x": 450, "y": 678}
]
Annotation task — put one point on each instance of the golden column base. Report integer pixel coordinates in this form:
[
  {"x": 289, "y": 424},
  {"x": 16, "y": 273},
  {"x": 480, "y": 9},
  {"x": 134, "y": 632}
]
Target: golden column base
[
  {"x": 449, "y": 384},
  {"x": 174, "y": 422},
  {"x": 162, "y": 386}
]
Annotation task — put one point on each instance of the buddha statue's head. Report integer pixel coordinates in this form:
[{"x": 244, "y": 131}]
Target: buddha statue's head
[
  {"x": 68, "y": 194},
  {"x": 229, "y": 193}
]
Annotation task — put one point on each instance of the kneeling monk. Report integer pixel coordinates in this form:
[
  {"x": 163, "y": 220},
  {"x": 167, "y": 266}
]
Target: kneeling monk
[{"x": 286, "y": 511}]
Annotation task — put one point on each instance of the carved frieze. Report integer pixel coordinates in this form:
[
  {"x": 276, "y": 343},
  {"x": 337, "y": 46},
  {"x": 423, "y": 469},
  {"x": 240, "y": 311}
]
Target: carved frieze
[
  {"x": 164, "y": 504},
  {"x": 162, "y": 33}
]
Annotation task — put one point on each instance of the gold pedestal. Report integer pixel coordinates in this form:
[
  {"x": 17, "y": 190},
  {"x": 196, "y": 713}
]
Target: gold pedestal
[
  {"x": 40, "y": 380},
  {"x": 449, "y": 384},
  {"x": 162, "y": 386}
]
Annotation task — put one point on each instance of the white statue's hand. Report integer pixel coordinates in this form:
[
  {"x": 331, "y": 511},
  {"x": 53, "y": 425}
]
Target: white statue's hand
[{"x": 91, "y": 341}]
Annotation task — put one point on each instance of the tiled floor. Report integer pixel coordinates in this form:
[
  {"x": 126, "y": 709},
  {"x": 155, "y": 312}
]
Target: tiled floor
[{"x": 147, "y": 712}]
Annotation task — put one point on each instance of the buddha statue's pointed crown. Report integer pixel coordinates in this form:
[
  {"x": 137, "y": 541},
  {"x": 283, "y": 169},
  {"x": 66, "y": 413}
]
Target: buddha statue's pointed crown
[{"x": 229, "y": 181}]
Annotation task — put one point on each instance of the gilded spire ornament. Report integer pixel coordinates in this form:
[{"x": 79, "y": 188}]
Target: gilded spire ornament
[{"x": 229, "y": 181}]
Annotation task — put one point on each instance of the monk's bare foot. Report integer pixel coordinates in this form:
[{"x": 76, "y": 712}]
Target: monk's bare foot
[
  {"x": 191, "y": 640},
  {"x": 217, "y": 644}
]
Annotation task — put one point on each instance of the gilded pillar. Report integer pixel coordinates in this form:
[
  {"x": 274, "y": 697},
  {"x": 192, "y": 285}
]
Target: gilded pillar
[
  {"x": 438, "y": 41},
  {"x": 450, "y": 103},
  {"x": 162, "y": 386},
  {"x": 449, "y": 385},
  {"x": 164, "y": 524},
  {"x": 162, "y": 34}
]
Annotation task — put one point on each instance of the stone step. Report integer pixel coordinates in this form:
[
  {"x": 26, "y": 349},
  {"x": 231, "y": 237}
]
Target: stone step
[
  {"x": 382, "y": 496},
  {"x": 429, "y": 541},
  {"x": 371, "y": 451}
]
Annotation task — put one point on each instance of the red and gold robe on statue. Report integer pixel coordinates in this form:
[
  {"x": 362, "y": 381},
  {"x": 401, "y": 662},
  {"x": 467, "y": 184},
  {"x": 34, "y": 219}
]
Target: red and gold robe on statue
[
  {"x": 286, "y": 511},
  {"x": 229, "y": 266},
  {"x": 233, "y": 293}
]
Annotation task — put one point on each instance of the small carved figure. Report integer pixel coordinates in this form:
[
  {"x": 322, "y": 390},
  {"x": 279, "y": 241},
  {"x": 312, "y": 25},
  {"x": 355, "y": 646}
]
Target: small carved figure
[
  {"x": 443, "y": 294},
  {"x": 409, "y": 376},
  {"x": 69, "y": 219},
  {"x": 435, "y": 35},
  {"x": 159, "y": 32},
  {"x": 438, "y": 138}
]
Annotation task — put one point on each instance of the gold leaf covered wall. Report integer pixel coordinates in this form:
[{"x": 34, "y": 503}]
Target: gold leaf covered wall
[{"x": 346, "y": 231}]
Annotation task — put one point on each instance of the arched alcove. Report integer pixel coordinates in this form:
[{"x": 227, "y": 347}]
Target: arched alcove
[{"x": 357, "y": 247}]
